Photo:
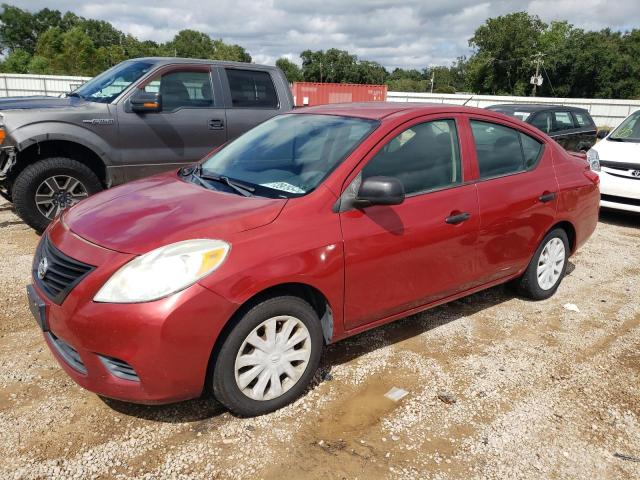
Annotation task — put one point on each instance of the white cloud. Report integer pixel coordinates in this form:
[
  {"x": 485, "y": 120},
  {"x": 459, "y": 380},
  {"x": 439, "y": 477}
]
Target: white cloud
[{"x": 411, "y": 33}]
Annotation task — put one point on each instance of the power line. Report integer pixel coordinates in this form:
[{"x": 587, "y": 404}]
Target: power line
[{"x": 549, "y": 79}]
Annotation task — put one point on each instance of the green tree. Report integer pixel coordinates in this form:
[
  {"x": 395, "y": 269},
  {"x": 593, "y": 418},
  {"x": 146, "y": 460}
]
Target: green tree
[
  {"x": 191, "y": 44},
  {"x": 290, "y": 69},
  {"x": 231, "y": 52},
  {"x": 16, "y": 62},
  {"x": 505, "y": 46}
]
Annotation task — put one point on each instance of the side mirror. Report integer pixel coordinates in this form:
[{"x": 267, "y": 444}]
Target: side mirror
[
  {"x": 379, "y": 191},
  {"x": 603, "y": 132},
  {"x": 145, "y": 102}
]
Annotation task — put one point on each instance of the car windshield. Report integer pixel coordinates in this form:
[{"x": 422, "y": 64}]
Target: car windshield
[
  {"x": 289, "y": 155},
  {"x": 628, "y": 130},
  {"x": 109, "y": 84}
]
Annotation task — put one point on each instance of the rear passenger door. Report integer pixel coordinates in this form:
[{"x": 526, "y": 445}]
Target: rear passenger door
[
  {"x": 403, "y": 256},
  {"x": 517, "y": 191},
  {"x": 250, "y": 97},
  {"x": 191, "y": 123}
]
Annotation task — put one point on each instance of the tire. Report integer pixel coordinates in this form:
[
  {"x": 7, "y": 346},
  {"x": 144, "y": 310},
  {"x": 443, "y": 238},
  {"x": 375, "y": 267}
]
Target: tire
[
  {"x": 540, "y": 288},
  {"x": 231, "y": 362},
  {"x": 38, "y": 176}
]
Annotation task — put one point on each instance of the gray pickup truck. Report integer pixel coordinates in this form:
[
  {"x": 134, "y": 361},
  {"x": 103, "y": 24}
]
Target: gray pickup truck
[{"x": 140, "y": 117}]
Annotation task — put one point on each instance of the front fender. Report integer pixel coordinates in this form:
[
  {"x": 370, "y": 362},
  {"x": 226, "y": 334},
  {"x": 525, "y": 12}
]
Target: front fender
[{"x": 39, "y": 132}]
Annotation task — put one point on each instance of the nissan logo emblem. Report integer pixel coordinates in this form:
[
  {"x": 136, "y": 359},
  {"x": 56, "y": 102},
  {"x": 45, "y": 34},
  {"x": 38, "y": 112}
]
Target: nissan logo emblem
[{"x": 43, "y": 266}]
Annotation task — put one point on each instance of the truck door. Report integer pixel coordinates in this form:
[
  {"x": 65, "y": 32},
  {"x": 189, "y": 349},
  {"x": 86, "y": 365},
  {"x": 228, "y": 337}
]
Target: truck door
[{"x": 191, "y": 123}]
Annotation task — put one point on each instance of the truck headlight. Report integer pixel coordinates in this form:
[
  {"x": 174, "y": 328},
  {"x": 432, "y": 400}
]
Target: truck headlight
[
  {"x": 593, "y": 159},
  {"x": 163, "y": 271}
]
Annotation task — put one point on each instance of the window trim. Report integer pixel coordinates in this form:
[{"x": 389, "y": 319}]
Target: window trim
[
  {"x": 227, "y": 88},
  {"x": 518, "y": 172}
]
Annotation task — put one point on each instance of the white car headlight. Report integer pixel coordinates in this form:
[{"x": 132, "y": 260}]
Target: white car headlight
[
  {"x": 594, "y": 160},
  {"x": 163, "y": 271}
]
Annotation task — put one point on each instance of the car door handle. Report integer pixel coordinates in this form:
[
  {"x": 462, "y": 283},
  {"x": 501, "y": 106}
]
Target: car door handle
[
  {"x": 547, "y": 197},
  {"x": 457, "y": 218},
  {"x": 216, "y": 124}
]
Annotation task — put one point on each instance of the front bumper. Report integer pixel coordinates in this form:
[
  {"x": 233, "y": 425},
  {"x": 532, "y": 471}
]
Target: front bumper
[
  {"x": 164, "y": 345},
  {"x": 619, "y": 192}
]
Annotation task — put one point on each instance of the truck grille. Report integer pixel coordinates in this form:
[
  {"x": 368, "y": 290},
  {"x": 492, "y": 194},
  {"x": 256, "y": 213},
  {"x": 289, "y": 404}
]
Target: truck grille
[{"x": 56, "y": 273}]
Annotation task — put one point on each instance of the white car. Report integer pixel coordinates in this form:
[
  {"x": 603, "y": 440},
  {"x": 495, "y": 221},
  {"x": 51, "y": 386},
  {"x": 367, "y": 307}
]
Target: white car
[{"x": 617, "y": 160}]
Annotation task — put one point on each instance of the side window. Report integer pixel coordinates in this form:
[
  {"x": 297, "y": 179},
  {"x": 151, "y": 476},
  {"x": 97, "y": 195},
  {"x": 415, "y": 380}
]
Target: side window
[
  {"x": 251, "y": 88},
  {"x": 582, "y": 119},
  {"x": 183, "y": 89},
  {"x": 423, "y": 157},
  {"x": 563, "y": 121},
  {"x": 542, "y": 121},
  {"x": 502, "y": 150}
]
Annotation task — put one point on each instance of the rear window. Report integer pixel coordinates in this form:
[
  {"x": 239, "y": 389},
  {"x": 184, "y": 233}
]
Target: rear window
[
  {"x": 252, "y": 89},
  {"x": 583, "y": 119}
]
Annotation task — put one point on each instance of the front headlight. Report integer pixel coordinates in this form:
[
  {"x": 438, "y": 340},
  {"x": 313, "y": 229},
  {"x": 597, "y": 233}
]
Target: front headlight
[
  {"x": 594, "y": 160},
  {"x": 163, "y": 271}
]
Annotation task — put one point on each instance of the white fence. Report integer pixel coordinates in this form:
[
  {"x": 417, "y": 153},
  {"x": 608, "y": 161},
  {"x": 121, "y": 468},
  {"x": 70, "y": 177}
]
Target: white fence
[
  {"x": 604, "y": 112},
  {"x": 18, "y": 85}
]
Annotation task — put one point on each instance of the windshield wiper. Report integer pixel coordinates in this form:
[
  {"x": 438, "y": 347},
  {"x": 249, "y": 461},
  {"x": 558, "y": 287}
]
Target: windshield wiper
[
  {"x": 75, "y": 94},
  {"x": 241, "y": 188}
]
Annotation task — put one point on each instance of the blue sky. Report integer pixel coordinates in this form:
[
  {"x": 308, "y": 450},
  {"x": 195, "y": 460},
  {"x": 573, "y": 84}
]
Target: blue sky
[{"x": 408, "y": 34}]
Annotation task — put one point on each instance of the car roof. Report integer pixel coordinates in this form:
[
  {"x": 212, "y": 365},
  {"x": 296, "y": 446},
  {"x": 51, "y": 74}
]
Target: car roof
[
  {"x": 380, "y": 110},
  {"x": 203, "y": 61},
  {"x": 531, "y": 107}
]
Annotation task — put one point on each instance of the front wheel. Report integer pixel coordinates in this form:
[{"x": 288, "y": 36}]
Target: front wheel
[
  {"x": 547, "y": 267},
  {"x": 269, "y": 358},
  {"x": 45, "y": 188}
]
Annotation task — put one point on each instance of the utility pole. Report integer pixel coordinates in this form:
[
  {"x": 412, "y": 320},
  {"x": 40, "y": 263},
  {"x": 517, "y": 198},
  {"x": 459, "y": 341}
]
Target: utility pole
[
  {"x": 433, "y": 76},
  {"x": 537, "y": 78}
]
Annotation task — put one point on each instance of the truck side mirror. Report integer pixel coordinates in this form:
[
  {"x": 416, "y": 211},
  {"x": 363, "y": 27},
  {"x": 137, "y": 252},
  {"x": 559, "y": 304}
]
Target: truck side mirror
[{"x": 146, "y": 102}]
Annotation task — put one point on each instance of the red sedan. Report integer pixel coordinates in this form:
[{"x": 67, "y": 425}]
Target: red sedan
[{"x": 230, "y": 276}]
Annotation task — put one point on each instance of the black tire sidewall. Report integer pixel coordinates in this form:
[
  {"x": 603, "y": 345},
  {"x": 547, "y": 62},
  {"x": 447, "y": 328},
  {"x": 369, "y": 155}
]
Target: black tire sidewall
[
  {"x": 223, "y": 380},
  {"x": 28, "y": 181},
  {"x": 529, "y": 285}
]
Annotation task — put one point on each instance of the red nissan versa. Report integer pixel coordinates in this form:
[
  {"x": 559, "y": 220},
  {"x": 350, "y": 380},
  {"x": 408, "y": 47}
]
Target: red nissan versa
[{"x": 229, "y": 276}]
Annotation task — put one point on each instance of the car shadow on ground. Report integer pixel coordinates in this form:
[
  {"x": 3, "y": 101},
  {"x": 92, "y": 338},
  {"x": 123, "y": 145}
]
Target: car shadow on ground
[
  {"x": 619, "y": 218},
  {"x": 207, "y": 408}
]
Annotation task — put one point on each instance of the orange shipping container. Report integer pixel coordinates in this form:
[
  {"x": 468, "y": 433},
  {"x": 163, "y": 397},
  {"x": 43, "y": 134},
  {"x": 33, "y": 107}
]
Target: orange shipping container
[{"x": 309, "y": 93}]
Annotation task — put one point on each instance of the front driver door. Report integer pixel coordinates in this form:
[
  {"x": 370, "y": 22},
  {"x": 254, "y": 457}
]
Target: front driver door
[
  {"x": 404, "y": 256},
  {"x": 192, "y": 122}
]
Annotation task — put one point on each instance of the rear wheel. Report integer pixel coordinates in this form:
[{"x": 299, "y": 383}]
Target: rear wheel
[
  {"x": 547, "y": 267},
  {"x": 45, "y": 188},
  {"x": 269, "y": 358}
]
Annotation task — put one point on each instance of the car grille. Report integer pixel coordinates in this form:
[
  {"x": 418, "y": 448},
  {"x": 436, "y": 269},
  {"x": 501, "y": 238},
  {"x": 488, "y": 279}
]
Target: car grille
[
  {"x": 68, "y": 353},
  {"x": 119, "y": 368},
  {"x": 61, "y": 273}
]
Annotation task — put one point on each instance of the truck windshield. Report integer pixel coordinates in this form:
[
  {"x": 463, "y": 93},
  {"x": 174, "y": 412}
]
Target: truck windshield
[
  {"x": 629, "y": 130},
  {"x": 289, "y": 155},
  {"x": 109, "y": 84}
]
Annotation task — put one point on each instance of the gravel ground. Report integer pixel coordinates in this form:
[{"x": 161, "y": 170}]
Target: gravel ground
[{"x": 498, "y": 388}]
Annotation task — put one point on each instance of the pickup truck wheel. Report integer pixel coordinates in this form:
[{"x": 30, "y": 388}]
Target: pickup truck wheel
[
  {"x": 269, "y": 358},
  {"x": 45, "y": 188}
]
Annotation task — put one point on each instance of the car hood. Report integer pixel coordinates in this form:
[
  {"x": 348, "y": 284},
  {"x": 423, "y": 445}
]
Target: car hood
[
  {"x": 608, "y": 150},
  {"x": 140, "y": 216},
  {"x": 16, "y": 103}
]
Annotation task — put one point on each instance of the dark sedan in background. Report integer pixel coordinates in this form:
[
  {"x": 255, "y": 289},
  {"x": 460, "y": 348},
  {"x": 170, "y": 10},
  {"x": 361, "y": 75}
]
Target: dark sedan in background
[{"x": 571, "y": 127}]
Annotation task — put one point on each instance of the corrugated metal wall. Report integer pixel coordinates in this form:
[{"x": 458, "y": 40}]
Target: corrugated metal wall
[
  {"x": 604, "y": 112},
  {"x": 310, "y": 93},
  {"x": 17, "y": 85}
]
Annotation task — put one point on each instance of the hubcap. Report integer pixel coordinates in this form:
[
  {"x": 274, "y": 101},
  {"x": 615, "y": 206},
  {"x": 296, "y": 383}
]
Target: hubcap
[
  {"x": 273, "y": 357},
  {"x": 57, "y": 193},
  {"x": 551, "y": 263}
]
